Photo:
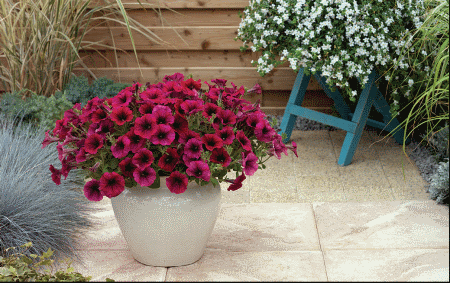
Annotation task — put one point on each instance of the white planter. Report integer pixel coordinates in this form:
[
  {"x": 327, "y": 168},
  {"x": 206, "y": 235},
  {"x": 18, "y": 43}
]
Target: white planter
[{"x": 166, "y": 229}]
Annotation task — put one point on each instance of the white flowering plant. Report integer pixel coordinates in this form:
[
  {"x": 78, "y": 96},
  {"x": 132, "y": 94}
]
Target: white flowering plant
[{"x": 342, "y": 39}]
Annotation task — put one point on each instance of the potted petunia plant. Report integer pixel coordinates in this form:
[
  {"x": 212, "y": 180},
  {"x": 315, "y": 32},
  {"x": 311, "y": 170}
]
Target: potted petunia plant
[{"x": 166, "y": 141}]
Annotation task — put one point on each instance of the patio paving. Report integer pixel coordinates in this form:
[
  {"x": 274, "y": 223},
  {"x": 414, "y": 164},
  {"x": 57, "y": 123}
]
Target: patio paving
[{"x": 305, "y": 219}]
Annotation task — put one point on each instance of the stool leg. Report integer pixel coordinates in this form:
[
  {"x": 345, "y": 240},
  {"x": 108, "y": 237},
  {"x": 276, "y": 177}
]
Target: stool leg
[
  {"x": 296, "y": 98},
  {"x": 360, "y": 118}
]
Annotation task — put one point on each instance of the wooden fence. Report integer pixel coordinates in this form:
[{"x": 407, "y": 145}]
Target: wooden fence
[{"x": 200, "y": 41}]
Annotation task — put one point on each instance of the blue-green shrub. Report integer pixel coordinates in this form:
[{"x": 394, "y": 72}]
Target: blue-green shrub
[{"x": 32, "y": 207}]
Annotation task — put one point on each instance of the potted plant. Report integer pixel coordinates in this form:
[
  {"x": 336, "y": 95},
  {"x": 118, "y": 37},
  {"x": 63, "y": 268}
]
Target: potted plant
[
  {"x": 344, "y": 40},
  {"x": 159, "y": 152}
]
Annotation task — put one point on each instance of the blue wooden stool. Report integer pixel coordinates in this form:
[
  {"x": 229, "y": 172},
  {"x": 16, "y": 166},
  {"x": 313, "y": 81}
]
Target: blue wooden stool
[{"x": 352, "y": 123}]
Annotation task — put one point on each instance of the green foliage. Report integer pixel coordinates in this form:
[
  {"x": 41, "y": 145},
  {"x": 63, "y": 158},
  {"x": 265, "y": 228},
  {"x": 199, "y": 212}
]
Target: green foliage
[
  {"x": 21, "y": 268},
  {"x": 45, "y": 111},
  {"x": 78, "y": 89},
  {"x": 439, "y": 143}
]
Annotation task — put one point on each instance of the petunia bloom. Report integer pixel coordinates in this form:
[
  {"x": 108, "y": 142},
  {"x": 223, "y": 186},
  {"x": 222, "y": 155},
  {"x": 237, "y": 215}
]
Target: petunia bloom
[
  {"x": 226, "y": 134},
  {"x": 249, "y": 163},
  {"x": 112, "y": 184},
  {"x": 145, "y": 126},
  {"x": 121, "y": 148},
  {"x": 237, "y": 184},
  {"x": 48, "y": 139},
  {"x": 143, "y": 158},
  {"x": 199, "y": 169},
  {"x": 164, "y": 135},
  {"x": 92, "y": 190},
  {"x": 56, "y": 175},
  {"x": 144, "y": 176},
  {"x": 212, "y": 141},
  {"x": 99, "y": 115},
  {"x": 93, "y": 143},
  {"x": 227, "y": 117},
  {"x": 123, "y": 98},
  {"x": 244, "y": 141},
  {"x": 220, "y": 156},
  {"x": 136, "y": 142},
  {"x": 177, "y": 182},
  {"x": 127, "y": 167},
  {"x": 121, "y": 115},
  {"x": 169, "y": 160},
  {"x": 193, "y": 148},
  {"x": 264, "y": 132}
]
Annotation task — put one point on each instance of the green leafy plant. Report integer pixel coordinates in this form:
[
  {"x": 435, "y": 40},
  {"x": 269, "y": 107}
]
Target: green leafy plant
[
  {"x": 428, "y": 110},
  {"x": 78, "y": 89},
  {"x": 344, "y": 40},
  {"x": 40, "y": 40},
  {"x": 21, "y": 268}
]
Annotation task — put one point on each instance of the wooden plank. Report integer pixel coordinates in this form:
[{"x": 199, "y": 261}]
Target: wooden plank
[
  {"x": 312, "y": 99},
  {"x": 188, "y": 58},
  {"x": 278, "y": 79},
  {"x": 178, "y": 4},
  {"x": 181, "y": 18},
  {"x": 179, "y": 38}
]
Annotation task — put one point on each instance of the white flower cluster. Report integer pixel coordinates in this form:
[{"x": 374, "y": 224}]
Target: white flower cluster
[{"x": 340, "y": 38}]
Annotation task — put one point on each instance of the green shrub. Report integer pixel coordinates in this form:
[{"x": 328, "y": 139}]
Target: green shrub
[
  {"x": 439, "y": 143},
  {"x": 78, "y": 89},
  {"x": 21, "y": 268}
]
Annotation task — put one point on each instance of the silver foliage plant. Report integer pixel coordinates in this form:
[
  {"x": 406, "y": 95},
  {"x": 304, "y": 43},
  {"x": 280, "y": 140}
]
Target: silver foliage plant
[
  {"x": 439, "y": 190},
  {"x": 32, "y": 208}
]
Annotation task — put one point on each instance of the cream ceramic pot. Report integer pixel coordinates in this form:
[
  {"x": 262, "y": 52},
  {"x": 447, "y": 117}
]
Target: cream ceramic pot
[{"x": 166, "y": 229}]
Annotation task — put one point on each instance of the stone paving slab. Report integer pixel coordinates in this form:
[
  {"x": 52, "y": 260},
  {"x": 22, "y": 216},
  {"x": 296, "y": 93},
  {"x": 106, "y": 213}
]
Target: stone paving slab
[{"x": 321, "y": 241}]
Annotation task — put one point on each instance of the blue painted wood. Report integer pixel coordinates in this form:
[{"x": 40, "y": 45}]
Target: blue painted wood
[
  {"x": 352, "y": 123},
  {"x": 296, "y": 98},
  {"x": 390, "y": 124},
  {"x": 360, "y": 118},
  {"x": 339, "y": 102},
  {"x": 345, "y": 125}
]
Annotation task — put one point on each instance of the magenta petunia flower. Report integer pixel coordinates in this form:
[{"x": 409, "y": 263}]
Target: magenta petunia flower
[
  {"x": 112, "y": 184},
  {"x": 123, "y": 98},
  {"x": 209, "y": 109},
  {"x": 93, "y": 143},
  {"x": 169, "y": 160},
  {"x": 163, "y": 115},
  {"x": 143, "y": 158},
  {"x": 121, "y": 115},
  {"x": 144, "y": 176},
  {"x": 98, "y": 115},
  {"x": 177, "y": 77},
  {"x": 264, "y": 132},
  {"x": 199, "y": 169},
  {"x": 146, "y": 108},
  {"x": 81, "y": 156},
  {"x": 226, "y": 134},
  {"x": 121, "y": 148},
  {"x": 220, "y": 82},
  {"x": 151, "y": 93},
  {"x": 164, "y": 135},
  {"x": 187, "y": 135},
  {"x": 244, "y": 141},
  {"x": 227, "y": 117},
  {"x": 191, "y": 107},
  {"x": 250, "y": 163},
  {"x": 127, "y": 167},
  {"x": 212, "y": 141},
  {"x": 48, "y": 139},
  {"x": 180, "y": 124},
  {"x": 187, "y": 160},
  {"x": 177, "y": 182},
  {"x": 254, "y": 119},
  {"x": 237, "y": 184},
  {"x": 220, "y": 156},
  {"x": 193, "y": 148},
  {"x": 56, "y": 175},
  {"x": 191, "y": 84},
  {"x": 102, "y": 128},
  {"x": 145, "y": 126},
  {"x": 136, "y": 142},
  {"x": 92, "y": 190}
]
